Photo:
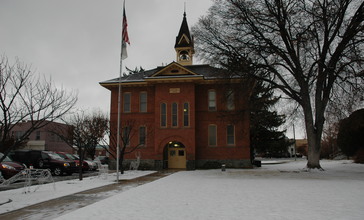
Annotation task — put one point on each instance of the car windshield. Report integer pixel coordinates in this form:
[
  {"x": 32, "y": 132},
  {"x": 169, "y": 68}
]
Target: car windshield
[
  {"x": 63, "y": 156},
  {"x": 55, "y": 156},
  {"x": 76, "y": 156},
  {"x": 70, "y": 156},
  {"x": 6, "y": 159}
]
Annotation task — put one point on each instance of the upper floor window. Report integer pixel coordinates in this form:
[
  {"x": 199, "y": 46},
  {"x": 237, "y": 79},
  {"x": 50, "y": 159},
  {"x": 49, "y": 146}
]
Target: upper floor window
[
  {"x": 230, "y": 133},
  {"x": 230, "y": 105},
  {"x": 186, "y": 115},
  {"x": 37, "y": 135},
  {"x": 143, "y": 102},
  {"x": 212, "y": 100},
  {"x": 163, "y": 115},
  {"x": 54, "y": 138},
  {"x": 174, "y": 114},
  {"x": 18, "y": 134},
  {"x": 127, "y": 102},
  {"x": 212, "y": 133}
]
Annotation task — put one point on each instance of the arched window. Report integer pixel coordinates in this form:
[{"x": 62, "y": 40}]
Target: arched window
[
  {"x": 184, "y": 55},
  {"x": 174, "y": 114},
  {"x": 163, "y": 115},
  {"x": 186, "y": 114}
]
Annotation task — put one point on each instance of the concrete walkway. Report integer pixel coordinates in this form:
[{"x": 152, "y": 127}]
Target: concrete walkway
[{"x": 56, "y": 207}]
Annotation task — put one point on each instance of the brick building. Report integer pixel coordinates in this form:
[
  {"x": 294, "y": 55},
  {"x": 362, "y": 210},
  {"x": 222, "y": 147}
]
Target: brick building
[
  {"x": 183, "y": 115},
  {"x": 43, "y": 138}
]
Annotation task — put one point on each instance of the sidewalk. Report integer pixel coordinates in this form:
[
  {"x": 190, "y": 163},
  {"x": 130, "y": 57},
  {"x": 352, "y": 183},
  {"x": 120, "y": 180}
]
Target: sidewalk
[{"x": 59, "y": 206}]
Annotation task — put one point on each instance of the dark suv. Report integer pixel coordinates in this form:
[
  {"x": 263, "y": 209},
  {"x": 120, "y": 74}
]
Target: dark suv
[{"x": 44, "y": 160}]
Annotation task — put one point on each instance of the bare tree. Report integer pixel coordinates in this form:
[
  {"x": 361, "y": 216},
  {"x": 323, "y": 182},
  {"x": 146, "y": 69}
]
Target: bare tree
[
  {"x": 308, "y": 49},
  {"x": 133, "y": 135},
  {"x": 85, "y": 132},
  {"x": 25, "y": 96}
]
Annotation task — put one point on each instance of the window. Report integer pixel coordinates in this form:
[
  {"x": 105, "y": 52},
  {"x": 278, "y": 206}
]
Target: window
[
  {"x": 37, "y": 135},
  {"x": 174, "y": 114},
  {"x": 163, "y": 115},
  {"x": 212, "y": 135},
  {"x": 142, "y": 135},
  {"x": 230, "y": 131},
  {"x": 143, "y": 102},
  {"x": 230, "y": 105},
  {"x": 126, "y": 135},
  {"x": 53, "y": 137},
  {"x": 127, "y": 99},
  {"x": 18, "y": 134},
  {"x": 186, "y": 115},
  {"x": 212, "y": 100},
  {"x": 181, "y": 153}
]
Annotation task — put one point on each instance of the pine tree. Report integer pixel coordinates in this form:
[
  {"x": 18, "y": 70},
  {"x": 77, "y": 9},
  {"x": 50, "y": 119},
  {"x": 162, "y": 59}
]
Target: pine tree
[{"x": 265, "y": 138}]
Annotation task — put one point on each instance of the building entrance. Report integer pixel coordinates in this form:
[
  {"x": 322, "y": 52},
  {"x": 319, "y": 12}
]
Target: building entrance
[{"x": 176, "y": 155}]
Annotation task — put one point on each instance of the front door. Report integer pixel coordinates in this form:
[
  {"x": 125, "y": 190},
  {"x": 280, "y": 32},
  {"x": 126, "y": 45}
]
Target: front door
[{"x": 176, "y": 156}]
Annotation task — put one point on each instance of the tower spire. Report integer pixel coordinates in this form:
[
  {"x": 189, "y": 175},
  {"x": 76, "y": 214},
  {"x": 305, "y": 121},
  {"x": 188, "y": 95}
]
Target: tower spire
[
  {"x": 184, "y": 13},
  {"x": 184, "y": 43}
]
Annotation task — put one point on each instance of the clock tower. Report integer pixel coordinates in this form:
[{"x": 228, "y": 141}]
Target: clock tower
[{"x": 184, "y": 44}]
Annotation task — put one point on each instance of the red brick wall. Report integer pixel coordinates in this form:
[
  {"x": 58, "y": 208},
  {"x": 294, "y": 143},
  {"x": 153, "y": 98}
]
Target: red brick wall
[
  {"x": 241, "y": 149},
  {"x": 52, "y": 141},
  {"x": 135, "y": 119},
  {"x": 185, "y": 135},
  {"x": 194, "y": 137}
]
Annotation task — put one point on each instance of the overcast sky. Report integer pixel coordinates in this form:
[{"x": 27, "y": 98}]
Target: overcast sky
[{"x": 77, "y": 42}]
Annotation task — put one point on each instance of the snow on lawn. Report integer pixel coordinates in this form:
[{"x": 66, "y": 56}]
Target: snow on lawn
[
  {"x": 281, "y": 191},
  {"x": 17, "y": 198}
]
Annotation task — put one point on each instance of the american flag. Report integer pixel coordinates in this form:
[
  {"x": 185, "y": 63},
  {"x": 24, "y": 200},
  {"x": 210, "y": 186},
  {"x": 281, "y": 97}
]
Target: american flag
[
  {"x": 125, "y": 28},
  {"x": 125, "y": 36}
]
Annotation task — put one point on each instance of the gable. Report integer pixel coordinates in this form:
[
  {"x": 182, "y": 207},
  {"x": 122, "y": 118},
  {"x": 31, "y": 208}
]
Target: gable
[
  {"x": 174, "y": 69},
  {"x": 183, "y": 41}
]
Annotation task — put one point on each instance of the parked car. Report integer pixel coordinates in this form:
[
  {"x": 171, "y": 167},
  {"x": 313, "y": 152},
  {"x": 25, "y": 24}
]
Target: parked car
[
  {"x": 69, "y": 156},
  {"x": 87, "y": 164},
  {"x": 9, "y": 168},
  {"x": 92, "y": 165},
  {"x": 44, "y": 160},
  {"x": 103, "y": 159}
]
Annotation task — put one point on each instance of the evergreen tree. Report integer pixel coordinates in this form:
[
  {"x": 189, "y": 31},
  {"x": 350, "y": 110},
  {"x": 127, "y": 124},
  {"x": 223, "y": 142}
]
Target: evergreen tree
[
  {"x": 265, "y": 138},
  {"x": 136, "y": 70}
]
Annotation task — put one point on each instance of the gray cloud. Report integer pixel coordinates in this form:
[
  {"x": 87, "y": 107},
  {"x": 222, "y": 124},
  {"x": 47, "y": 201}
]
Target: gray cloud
[{"x": 77, "y": 42}]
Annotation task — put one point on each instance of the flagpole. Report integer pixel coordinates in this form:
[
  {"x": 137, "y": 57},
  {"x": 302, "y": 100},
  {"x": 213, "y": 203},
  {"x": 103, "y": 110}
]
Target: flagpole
[
  {"x": 124, "y": 39},
  {"x": 119, "y": 119}
]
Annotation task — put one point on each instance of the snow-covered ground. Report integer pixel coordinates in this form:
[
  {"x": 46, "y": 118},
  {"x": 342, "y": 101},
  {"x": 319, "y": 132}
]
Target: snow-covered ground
[
  {"x": 19, "y": 198},
  {"x": 282, "y": 191},
  {"x": 274, "y": 191}
]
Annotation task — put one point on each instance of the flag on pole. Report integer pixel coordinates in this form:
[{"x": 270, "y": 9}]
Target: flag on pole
[{"x": 125, "y": 36}]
